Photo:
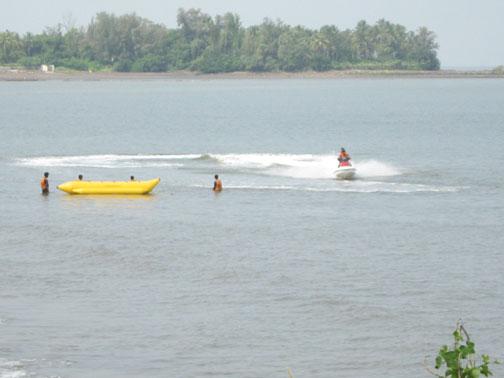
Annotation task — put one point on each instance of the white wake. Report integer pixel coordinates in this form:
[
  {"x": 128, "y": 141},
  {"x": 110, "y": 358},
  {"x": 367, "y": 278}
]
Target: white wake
[{"x": 303, "y": 165}]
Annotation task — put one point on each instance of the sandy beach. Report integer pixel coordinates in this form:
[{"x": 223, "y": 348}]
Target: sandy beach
[{"x": 7, "y": 74}]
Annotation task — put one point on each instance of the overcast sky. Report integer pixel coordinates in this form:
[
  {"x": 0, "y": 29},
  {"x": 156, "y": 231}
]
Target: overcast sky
[{"x": 470, "y": 32}]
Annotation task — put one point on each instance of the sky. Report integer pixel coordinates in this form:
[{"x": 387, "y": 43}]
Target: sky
[{"x": 469, "y": 32}]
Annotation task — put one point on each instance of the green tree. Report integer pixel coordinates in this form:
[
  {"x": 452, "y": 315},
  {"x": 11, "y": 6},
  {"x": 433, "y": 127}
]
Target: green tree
[
  {"x": 230, "y": 33},
  {"x": 149, "y": 63},
  {"x": 11, "y": 47},
  {"x": 73, "y": 42},
  {"x": 261, "y": 45},
  {"x": 176, "y": 49},
  {"x": 196, "y": 28},
  {"x": 389, "y": 40},
  {"x": 103, "y": 38},
  {"x": 294, "y": 49},
  {"x": 321, "y": 51},
  {"x": 362, "y": 42},
  {"x": 130, "y": 42},
  {"x": 423, "y": 48}
]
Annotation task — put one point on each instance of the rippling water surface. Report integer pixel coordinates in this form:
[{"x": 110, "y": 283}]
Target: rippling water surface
[{"x": 287, "y": 268}]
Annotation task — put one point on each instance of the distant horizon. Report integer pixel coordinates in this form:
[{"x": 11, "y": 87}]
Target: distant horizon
[{"x": 467, "y": 33}]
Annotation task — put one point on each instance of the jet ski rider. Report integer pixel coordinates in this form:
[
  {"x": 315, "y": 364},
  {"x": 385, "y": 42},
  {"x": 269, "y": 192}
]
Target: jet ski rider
[{"x": 343, "y": 158}]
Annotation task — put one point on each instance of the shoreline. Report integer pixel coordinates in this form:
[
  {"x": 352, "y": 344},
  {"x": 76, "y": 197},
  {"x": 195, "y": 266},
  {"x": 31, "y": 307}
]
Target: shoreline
[{"x": 35, "y": 75}]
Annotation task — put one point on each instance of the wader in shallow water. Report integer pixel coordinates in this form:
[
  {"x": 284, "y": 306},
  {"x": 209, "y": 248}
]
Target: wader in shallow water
[
  {"x": 44, "y": 184},
  {"x": 217, "y": 186}
]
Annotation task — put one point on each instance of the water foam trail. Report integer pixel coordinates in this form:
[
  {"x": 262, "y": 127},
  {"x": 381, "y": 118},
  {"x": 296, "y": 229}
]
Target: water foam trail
[
  {"x": 375, "y": 187},
  {"x": 265, "y": 160},
  {"x": 303, "y": 165},
  {"x": 107, "y": 161},
  {"x": 374, "y": 168},
  {"x": 11, "y": 369}
]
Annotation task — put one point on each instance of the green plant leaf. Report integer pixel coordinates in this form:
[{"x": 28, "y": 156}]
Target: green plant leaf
[{"x": 474, "y": 373}]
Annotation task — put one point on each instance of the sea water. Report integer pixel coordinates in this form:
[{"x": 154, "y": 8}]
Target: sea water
[{"x": 287, "y": 267}]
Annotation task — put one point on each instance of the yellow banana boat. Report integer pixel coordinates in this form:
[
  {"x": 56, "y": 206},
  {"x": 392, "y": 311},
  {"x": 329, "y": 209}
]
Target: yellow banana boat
[{"x": 109, "y": 187}]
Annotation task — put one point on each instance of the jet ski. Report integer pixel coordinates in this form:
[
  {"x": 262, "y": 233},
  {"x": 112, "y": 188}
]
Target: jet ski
[{"x": 345, "y": 171}]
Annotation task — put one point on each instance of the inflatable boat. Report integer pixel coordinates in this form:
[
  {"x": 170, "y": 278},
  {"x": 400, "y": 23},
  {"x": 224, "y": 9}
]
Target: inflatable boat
[{"x": 109, "y": 187}]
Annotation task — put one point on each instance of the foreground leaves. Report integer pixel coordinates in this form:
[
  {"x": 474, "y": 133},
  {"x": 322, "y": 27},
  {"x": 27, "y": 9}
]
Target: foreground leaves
[{"x": 461, "y": 361}]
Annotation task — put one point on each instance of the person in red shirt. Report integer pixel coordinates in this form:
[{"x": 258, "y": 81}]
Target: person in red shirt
[{"x": 343, "y": 158}]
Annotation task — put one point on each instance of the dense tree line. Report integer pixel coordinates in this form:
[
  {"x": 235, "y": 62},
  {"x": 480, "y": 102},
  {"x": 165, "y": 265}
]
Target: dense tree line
[{"x": 220, "y": 44}]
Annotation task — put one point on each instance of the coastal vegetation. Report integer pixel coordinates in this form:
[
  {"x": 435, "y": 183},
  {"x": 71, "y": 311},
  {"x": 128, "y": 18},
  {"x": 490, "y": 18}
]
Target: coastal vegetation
[
  {"x": 221, "y": 44},
  {"x": 459, "y": 360},
  {"x": 499, "y": 70}
]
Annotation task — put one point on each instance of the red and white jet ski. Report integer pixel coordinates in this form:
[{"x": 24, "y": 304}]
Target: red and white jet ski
[{"x": 345, "y": 171}]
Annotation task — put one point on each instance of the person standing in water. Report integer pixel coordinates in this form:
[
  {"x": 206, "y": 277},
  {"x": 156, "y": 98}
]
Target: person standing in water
[
  {"x": 217, "y": 186},
  {"x": 343, "y": 157},
  {"x": 44, "y": 183}
]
